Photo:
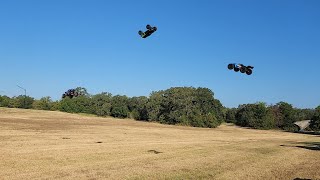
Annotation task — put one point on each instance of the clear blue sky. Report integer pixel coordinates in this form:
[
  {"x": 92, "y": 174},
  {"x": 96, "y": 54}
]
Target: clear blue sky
[{"x": 53, "y": 45}]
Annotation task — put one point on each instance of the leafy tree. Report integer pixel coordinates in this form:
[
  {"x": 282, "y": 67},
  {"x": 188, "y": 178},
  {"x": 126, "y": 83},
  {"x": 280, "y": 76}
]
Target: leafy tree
[
  {"x": 278, "y": 119},
  {"x": 286, "y": 116},
  {"x": 82, "y": 91},
  {"x": 304, "y": 114},
  {"x": 138, "y": 108},
  {"x": 83, "y": 104},
  {"x": 255, "y": 115},
  {"x": 68, "y": 105},
  {"x": 119, "y": 112},
  {"x": 5, "y": 101},
  {"x": 231, "y": 115},
  {"x": 22, "y": 102},
  {"x": 55, "y": 105},
  {"x": 119, "y": 106},
  {"x": 315, "y": 120},
  {"x": 102, "y": 104},
  {"x": 154, "y": 105},
  {"x": 44, "y": 103},
  {"x": 80, "y": 104},
  {"x": 185, "y": 106}
]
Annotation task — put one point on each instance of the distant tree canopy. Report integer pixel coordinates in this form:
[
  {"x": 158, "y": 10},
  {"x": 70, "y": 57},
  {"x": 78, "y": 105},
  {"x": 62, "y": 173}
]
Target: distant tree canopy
[
  {"x": 260, "y": 116},
  {"x": 16, "y": 102},
  {"x": 82, "y": 91},
  {"x": 5, "y": 101},
  {"x": 44, "y": 103},
  {"x": 102, "y": 104},
  {"x": 231, "y": 115},
  {"x": 119, "y": 106},
  {"x": 304, "y": 114},
  {"x": 285, "y": 116},
  {"x": 180, "y": 105},
  {"x": 186, "y": 106},
  {"x": 81, "y": 104},
  {"x": 255, "y": 116},
  {"x": 315, "y": 120},
  {"x": 138, "y": 108}
]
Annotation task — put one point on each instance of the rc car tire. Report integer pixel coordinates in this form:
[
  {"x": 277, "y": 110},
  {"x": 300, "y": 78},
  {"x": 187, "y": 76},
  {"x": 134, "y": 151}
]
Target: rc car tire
[
  {"x": 243, "y": 69},
  {"x": 249, "y": 72},
  {"x": 230, "y": 66}
]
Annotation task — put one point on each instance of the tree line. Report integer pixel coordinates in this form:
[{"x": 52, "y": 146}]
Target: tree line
[
  {"x": 279, "y": 116},
  {"x": 186, "y": 106}
]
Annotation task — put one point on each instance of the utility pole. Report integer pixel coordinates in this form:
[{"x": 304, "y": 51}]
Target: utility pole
[{"x": 25, "y": 96}]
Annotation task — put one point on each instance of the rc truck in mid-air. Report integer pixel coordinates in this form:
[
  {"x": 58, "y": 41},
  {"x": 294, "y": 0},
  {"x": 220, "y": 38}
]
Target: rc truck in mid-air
[
  {"x": 70, "y": 93},
  {"x": 240, "y": 67},
  {"x": 149, "y": 31}
]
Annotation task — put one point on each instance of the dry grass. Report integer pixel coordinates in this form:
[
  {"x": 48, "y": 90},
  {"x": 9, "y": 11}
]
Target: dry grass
[{"x": 56, "y": 145}]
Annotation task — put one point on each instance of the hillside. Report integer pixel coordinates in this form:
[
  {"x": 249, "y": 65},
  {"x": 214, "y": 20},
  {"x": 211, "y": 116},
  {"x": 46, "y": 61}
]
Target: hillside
[{"x": 55, "y": 145}]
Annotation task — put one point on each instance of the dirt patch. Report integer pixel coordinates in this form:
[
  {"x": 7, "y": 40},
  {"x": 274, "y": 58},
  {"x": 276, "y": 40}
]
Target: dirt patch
[{"x": 154, "y": 151}]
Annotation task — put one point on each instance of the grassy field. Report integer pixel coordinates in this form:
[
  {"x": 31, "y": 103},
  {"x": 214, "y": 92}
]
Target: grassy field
[{"x": 56, "y": 145}]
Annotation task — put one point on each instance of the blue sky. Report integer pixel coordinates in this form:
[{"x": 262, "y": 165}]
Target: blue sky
[{"x": 53, "y": 45}]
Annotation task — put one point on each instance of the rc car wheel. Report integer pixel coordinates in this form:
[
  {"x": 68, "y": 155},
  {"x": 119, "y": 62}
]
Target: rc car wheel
[
  {"x": 148, "y": 26},
  {"x": 243, "y": 69},
  {"x": 249, "y": 72},
  {"x": 155, "y": 28},
  {"x": 230, "y": 66},
  {"x": 140, "y": 33},
  {"x": 236, "y": 69}
]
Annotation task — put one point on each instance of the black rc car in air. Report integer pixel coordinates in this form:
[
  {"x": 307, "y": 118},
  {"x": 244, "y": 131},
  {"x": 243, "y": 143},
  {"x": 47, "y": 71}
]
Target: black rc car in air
[
  {"x": 240, "y": 67},
  {"x": 70, "y": 93},
  {"x": 149, "y": 31}
]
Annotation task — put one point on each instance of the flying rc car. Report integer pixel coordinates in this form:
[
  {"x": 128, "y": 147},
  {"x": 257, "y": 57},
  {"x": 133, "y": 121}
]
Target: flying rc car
[
  {"x": 149, "y": 31},
  {"x": 70, "y": 93},
  {"x": 240, "y": 67}
]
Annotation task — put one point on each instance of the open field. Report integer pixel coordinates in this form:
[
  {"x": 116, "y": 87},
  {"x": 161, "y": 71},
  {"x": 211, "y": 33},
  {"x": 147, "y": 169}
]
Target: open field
[{"x": 56, "y": 145}]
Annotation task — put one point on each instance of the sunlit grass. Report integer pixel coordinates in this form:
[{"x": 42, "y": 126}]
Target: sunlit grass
[{"x": 55, "y": 145}]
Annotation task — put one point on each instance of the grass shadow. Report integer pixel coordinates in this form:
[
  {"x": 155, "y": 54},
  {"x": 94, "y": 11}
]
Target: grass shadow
[
  {"x": 314, "y": 146},
  {"x": 308, "y": 132}
]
